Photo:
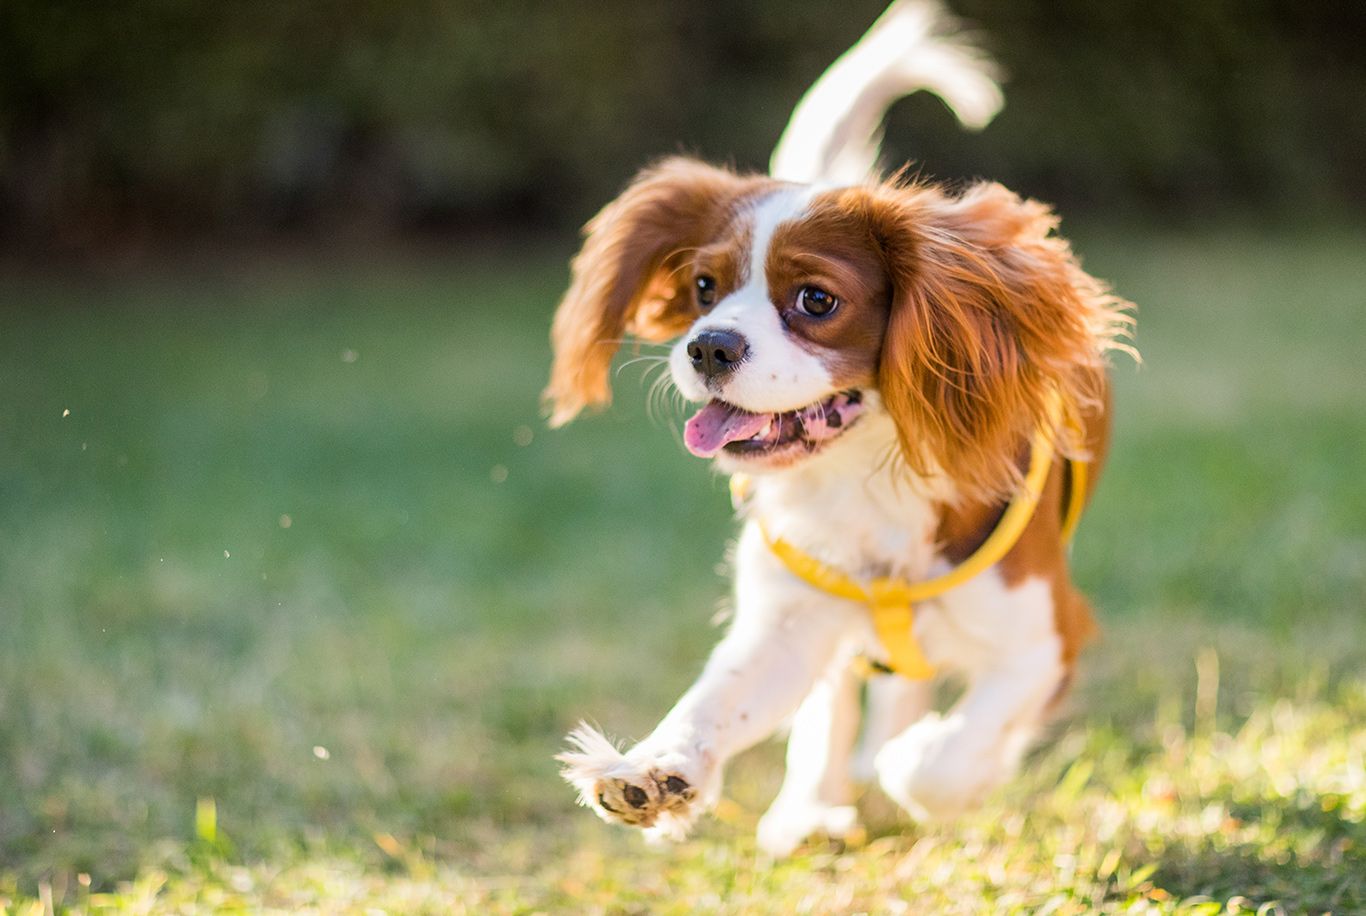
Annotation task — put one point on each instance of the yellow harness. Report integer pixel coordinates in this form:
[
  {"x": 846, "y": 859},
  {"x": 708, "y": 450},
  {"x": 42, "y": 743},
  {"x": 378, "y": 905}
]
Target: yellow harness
[{"x": 891, "y": 600}]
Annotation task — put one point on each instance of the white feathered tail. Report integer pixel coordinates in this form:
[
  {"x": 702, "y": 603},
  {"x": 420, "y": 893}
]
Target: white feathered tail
[{"x": 835, "y": 133}]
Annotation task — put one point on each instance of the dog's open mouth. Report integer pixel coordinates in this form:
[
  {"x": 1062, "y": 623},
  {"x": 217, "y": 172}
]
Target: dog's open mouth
[{"x": 720, "y": 426}]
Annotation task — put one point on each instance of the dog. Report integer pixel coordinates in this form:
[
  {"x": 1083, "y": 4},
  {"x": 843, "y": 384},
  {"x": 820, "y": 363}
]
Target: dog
[{"x": 908, "y": 384}]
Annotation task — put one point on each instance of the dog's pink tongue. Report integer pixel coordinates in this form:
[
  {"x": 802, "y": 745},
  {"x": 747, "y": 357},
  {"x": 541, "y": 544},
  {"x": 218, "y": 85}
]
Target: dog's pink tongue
[{"x": 713, "y": 426}]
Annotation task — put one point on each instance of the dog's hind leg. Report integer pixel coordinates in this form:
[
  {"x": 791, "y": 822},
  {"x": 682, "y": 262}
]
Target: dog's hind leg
[
  {"x": 893, "y": 704},
  {"x": 942, "y": 765}
]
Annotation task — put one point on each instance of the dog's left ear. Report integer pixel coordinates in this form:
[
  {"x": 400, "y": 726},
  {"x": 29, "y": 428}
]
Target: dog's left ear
[
  {"x": 992, "y": 318},
  {"x": 625, "y": 279}
]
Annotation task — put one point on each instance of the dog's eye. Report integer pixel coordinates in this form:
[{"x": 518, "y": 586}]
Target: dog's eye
[
  {"x": 706, "y": 291},
  {"x": 812, "y": 300}
]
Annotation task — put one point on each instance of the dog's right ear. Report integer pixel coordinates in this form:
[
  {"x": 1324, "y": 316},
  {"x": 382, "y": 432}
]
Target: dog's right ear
[{"x": 623, "y": 281}]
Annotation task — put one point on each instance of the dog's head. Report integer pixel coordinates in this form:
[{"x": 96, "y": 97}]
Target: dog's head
[{"x": 799, "y": 310}]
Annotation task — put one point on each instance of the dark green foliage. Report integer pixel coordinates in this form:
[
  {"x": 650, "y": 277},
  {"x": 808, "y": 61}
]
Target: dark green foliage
[{"x": 157, "y": 116}]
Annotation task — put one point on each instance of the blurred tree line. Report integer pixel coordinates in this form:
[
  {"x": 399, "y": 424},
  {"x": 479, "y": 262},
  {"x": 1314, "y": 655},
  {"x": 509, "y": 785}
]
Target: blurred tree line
[{"x": 161, "y": 118}]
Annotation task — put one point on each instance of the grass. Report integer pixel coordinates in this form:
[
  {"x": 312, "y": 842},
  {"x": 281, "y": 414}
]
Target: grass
[{"x": 298, "y": 597}]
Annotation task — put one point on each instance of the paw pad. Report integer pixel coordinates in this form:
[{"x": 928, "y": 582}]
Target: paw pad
[
  {"x": 635, "y": 796},
  {"x": 639, "y": 798},
  {"x": 625, "y": 790}
]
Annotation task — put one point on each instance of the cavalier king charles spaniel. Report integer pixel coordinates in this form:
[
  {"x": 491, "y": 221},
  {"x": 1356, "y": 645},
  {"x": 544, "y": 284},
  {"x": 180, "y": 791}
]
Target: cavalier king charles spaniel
[{"x": 878, "y": 363}]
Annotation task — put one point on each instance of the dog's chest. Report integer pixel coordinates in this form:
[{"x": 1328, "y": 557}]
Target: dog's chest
[
  {"x": 864, "y": 519},
  {"x": 854, "y": 513}
]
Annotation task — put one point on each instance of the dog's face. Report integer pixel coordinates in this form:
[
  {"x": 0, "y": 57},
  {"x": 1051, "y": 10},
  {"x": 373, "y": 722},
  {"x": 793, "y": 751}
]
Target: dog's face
[{"x": 791, "y": 304}]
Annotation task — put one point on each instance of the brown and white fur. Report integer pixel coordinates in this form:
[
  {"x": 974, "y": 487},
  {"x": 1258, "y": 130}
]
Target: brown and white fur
[{"x": 957, "y": 317}]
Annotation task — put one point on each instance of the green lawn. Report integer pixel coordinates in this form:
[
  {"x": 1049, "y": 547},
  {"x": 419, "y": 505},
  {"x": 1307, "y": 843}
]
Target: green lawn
[{"x": 298, "y": 600}]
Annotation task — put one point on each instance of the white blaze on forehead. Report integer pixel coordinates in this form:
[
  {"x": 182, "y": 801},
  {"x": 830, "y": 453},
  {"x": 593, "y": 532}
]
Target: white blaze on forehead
[
  {"x": 776, "y": 374},
  {"x": 782, "y": 206}
]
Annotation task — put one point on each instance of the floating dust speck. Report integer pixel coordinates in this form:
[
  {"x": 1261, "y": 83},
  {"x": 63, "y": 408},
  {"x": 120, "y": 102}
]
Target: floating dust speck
[
  {"x": 286, "y": 521},
  {"x": 321, "y": 752},
  {"x": 258, "y": 385},
  {"x": 498, "y": 473},
  {"x": 66, "y": 412},
  {"x": 349, "y": 356},
  {"x": 523, "y": 435},
  {"x": 227, "y": 555}
]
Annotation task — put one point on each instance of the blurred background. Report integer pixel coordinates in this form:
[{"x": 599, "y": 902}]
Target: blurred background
[
  {"x": 298, "y": 595},
  {"x": 135, "y": 123}
]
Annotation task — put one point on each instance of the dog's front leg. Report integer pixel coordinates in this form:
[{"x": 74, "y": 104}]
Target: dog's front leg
[
  {"x": 783, "y": 638},
  {"x": 817, "y": 795}
]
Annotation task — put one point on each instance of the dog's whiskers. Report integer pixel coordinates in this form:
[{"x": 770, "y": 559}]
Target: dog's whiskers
[
  {"x": 652, "y": 358},
  {"x": 657, "y": 401},
  {"x": 636, "y": 342}
]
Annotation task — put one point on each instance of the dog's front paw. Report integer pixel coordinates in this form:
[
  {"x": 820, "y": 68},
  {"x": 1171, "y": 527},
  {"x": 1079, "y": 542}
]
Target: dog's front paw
[
  {"x": 644, "y": 791},
  {"x": 788, "y": 824}
]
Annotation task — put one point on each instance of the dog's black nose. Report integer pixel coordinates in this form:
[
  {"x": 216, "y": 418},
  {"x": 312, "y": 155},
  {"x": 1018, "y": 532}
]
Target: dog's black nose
[{"x": 714, "y": 353}]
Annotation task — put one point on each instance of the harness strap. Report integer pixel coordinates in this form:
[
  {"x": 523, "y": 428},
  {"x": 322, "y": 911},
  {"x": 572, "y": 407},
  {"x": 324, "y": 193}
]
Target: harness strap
[
  {"x": 1076, "y": 498},
  {"x": 892, "y": 600}
]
